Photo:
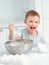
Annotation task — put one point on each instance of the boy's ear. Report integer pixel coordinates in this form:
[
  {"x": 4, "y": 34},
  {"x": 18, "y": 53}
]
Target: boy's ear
[{"x": 25, "y": 21}]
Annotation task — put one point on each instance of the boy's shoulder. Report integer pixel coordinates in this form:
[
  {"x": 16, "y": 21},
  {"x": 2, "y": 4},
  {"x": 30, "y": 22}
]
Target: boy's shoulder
[{"x": 40, "y": 35}]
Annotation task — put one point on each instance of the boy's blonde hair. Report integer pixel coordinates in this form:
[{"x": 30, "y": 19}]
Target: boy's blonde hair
[{"x": 32, "y": 13}]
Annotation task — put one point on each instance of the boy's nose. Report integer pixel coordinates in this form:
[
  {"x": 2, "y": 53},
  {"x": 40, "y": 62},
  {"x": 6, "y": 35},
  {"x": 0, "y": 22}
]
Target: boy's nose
[{"x": 33, "y": 24}]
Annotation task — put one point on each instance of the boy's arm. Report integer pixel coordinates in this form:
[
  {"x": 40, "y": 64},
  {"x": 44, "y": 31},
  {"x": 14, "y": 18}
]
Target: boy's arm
[
  {"x": 15, "y": 37},
  {"x": 10, "y": 35},
  {"x": 10, "y": 28}
]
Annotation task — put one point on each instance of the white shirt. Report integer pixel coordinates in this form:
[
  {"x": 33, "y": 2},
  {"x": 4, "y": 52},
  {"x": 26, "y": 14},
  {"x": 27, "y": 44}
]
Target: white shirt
[{"x": 23, "y": 34}]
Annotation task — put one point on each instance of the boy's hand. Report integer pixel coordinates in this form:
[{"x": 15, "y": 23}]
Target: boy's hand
[
  {"x": 11, "y": 27},
  {"x": 16, "y": 37}
]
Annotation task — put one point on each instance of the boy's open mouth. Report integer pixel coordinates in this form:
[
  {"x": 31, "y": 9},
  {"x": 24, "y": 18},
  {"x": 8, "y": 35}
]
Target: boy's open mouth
[{"x": 33, "y": 28}]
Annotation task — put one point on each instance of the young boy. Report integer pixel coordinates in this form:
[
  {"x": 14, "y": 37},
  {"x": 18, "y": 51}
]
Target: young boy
[{"x": 32, "y": 21}]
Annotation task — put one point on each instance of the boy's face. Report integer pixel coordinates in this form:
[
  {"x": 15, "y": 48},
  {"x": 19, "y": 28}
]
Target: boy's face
[{"x": 32, "y": 23}]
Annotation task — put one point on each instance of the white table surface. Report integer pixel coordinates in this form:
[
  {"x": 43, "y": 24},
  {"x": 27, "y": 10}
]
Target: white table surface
[{"x": 25, "y": 59}]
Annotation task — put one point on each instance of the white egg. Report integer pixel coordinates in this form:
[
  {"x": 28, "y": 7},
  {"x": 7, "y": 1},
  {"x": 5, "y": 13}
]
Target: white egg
[
  {"x": 15, "y": 59},
  {"x": 4, "y": 57},
  {"x": 17, "y": 56},
  {"x": 25, "y": 58},
  {"x": 10, "y": 57}
]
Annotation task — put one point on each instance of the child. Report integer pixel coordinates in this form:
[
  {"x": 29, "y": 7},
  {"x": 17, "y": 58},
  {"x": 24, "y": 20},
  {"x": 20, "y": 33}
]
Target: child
[{"x": 32, "y": 21}]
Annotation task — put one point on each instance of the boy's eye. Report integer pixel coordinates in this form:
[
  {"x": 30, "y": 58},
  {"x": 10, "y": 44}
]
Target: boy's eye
[
  {"x": 36, "y": 21},
  {"x": 30, "y": 21}
]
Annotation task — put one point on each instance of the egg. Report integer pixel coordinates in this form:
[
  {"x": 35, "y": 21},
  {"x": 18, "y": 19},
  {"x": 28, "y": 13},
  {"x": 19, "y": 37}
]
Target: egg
[
  {"x": 10, "y": 57},
  {"x": 25, "y": 59},
  {"x": 4, "y": 57}
]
